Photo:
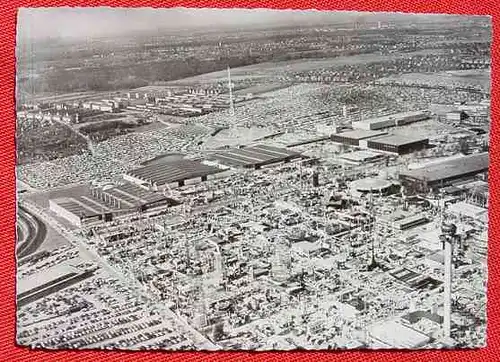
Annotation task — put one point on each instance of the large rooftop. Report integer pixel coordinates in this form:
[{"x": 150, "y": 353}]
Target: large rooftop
[
  {"x": 254, "y": 156},
  {"x": 359, "y": 134},
  {"x": 395, "y": 116},
  {"x": 362, "y": 155},
  {"x": 453, "y": 168},
  {"x": 130, "y": 195},
  {"x": 83, "y": 205},
  {"x": 174, "y": 171},
  {"x": 398, "y": 140}
]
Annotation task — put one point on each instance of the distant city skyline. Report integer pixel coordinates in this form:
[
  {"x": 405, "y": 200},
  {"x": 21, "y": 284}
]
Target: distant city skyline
[{"x": 68, "y": 22}]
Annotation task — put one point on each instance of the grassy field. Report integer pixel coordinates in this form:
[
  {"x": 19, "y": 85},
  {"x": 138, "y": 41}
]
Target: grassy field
[
  {"x": 66, "y": 97},
  {"x": 271, "y": 69},
  {"x": 251, "y": 72},
  {"x": 465, "y": 78}
]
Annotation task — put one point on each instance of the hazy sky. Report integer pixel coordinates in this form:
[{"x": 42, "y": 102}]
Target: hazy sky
[{"x": 91, "y": 22}]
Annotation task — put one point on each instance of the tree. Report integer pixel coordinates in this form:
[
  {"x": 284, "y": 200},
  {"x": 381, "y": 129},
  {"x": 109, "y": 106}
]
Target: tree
[
  {"x": 218, "y": 332},
  {"x": 464, "y": 146}
]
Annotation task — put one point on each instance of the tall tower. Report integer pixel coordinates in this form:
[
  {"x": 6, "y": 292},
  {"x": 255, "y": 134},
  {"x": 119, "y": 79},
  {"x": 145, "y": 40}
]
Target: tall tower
[
  {"x": 373, "y": 262},
  {"x": 448, "y": 232},
  {"x": 315, "y": 179},
  {"x": 230, "y": 86}
]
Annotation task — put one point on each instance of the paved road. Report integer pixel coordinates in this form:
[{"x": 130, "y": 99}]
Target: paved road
[{"x": 33, "y": 234}]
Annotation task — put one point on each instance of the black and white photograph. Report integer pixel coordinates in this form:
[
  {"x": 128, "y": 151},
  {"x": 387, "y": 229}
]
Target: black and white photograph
[{"x": 251, "y": 179}]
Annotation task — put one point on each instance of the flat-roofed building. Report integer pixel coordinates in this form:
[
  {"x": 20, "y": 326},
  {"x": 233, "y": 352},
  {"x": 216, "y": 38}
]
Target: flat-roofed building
[
  {"x": 410, "y": 222},
  {"x": 464, "y": 209},
  {"x": 255, "y": 156},
  {"x": 442, "y": 174},
  {"x": 353, "y": 138},
  {"x": 392, "y": 120},
  {"x": 456, "y": 116},
  {"x": 172, "y": 174},
  {"x": 397, "y": 144},
  {"x": 132, "y": 197},
  {"x": 96, "y": 205},
  {"x": 362, "y": 157},
  {"x": 80, "y": 210}
]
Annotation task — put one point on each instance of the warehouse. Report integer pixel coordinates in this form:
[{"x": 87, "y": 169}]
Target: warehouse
[
  {"x": 361, "y": 157},
  {"x": 105, "y": 204},
  {"x": 444, "y": 173},
  {"x": 393, "y": 120},
  {"x": 353, "y": 138},
  {"x": 464, "y": 209},
  {"x": 255, "y": 156},
  {"x": 456, "y": 116},
  {"x": 410, "y": 222},
  {"x": 80, "y": 210},
  {"x": 171, "y": 174},
  {"x": 397, "y": 144},
  {"x": 132, "y": 197}
]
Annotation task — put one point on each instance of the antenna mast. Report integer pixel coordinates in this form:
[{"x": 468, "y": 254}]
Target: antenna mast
[{"x": 230, "y": 87}]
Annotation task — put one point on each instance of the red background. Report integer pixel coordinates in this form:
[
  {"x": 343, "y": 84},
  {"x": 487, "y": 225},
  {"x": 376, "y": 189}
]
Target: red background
[{"x": 8, "y": 349}]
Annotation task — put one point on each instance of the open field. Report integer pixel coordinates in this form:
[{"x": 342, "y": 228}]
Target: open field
[
  {"x": 64, "y": 97},
  {"x": 270, "y": 69},
  {"x": 478, "y": 78}
]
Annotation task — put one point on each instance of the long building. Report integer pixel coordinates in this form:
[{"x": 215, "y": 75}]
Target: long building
[
  {"x": 80, "y": 210},
  {"x": 362, "y": 157},
  {"x": 132, "y": 197},
  {"x": 255, "y": 156},
  {"x": 171, "y": 174},
  {"x": 393, "y": 120},
  {"x": 444, "y": 173},
  {"x": 397, "y": 144},
  {"x": 354, "y": 137},
  {"x": 102, "y": 205}
]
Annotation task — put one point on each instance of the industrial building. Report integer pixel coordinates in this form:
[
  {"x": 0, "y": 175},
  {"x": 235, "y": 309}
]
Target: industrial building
[
  {"x": 410, "y": 222},
  {"x": 444, "y": 173},
  {"x": 361, "y": 157},
  {"x": 132, "y": 197},
  {"x": 456, "y": 116},
  {"x": 80, "y": 210},
  {"x": 393, "y": 120},
  {"x": 171, "y": 174},
  {"x": 397, "y": 144},
  {"x": 105, "y": 204},
  {"x": 353, "y": 138},
  {"x": 464, "y": 209},
  {"x": 255, "y": 156}
]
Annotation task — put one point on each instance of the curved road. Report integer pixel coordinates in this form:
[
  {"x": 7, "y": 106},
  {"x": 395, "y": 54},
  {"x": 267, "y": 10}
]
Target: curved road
[{"x": 31, "y": 232}]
